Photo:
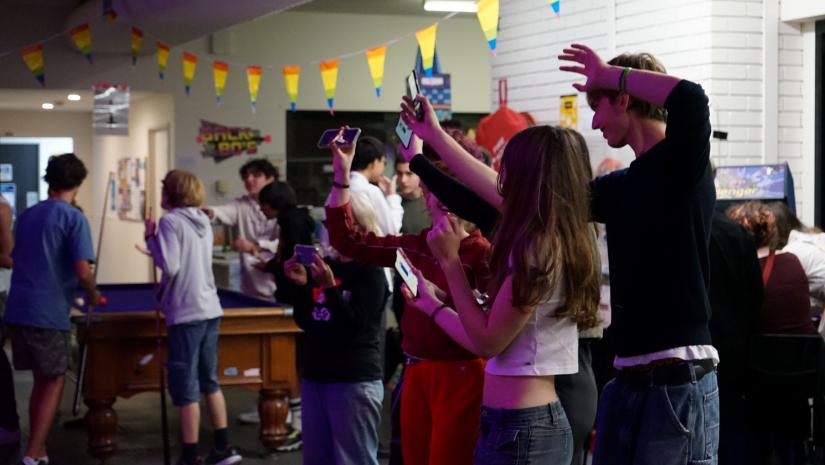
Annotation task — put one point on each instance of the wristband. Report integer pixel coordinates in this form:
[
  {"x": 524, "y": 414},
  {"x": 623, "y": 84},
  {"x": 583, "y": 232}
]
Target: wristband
[
  {"x": 339, "y": 185},
  {"x": 623, "y": 79},
  {"x": 438, "y": 309}
]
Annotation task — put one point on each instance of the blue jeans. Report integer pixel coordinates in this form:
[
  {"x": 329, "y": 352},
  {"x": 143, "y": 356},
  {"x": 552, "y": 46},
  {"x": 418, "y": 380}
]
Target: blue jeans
[
  {"x": 193, "y": 360},
  {"x": 340, "y": 422},
  {"x": 658, "y": 424},
  {"x": 535, "y": 435}
]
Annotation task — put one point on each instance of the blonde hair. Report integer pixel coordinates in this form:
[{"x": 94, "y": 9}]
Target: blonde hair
[{"x": 183, "y": 189}]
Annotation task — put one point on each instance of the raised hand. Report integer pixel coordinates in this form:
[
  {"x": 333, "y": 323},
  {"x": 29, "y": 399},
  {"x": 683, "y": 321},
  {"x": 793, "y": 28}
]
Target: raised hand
[
  {"x": 445, "y": 238},
  {"x": 387, "y": 185},
  {"x": 592, "y": 67},
  {"x": 426, "y": 129},
  {"x": 321, "y": 272},
  {"x": 295, "y": 271},
  {"x": 342, "y": 156},
  {"x": 416, "y": 146},
  {"x": 149, "y": 225}
]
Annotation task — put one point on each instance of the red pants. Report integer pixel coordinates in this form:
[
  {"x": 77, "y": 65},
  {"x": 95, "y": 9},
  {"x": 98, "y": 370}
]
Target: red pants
[{"x": 440, "y": 405}]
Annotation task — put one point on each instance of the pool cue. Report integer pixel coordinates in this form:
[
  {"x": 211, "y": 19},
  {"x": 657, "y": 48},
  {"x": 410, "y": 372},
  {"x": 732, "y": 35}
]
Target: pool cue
[
  {"x": 164, "y": 420},
  {"x": 81, "y": 372}
]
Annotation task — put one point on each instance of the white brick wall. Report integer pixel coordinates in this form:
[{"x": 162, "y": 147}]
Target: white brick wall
[{"x": 718, "y": 43}]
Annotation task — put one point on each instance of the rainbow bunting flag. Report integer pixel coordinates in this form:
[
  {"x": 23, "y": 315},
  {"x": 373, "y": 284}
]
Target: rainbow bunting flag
[
  {"x": 253, "y": 77},
  {"x": 487, "y": 12},
  {"x": 163, "y": 57},
  {"x": 329, "y": 76},
  {"x": 109, "y": 12},
  {"x": 82, "y": 38},
  {"x": 189, "y": 63},
  {"x": 375, "y": 59},
  {"x": 137, "y": 39},
  {"x": 555, "y": 4},
  {"x": 426, "y": 42},
  {"x": 291, "y": 76},
  {"x": 219, "y": 70},
  {"x": 33, "y": 56}
]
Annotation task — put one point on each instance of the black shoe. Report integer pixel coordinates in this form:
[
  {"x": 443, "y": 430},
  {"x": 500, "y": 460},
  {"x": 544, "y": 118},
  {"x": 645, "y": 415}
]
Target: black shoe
[
  {"x": 292, "y": 443},
  {"x": 227, "y": 457}
]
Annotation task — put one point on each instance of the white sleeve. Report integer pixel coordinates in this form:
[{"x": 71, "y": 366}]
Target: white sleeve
[
  {"x": 226, "y": 214},
  {"x": 396, "y": 211},
  {"x": 382, "y": 210},
  {"x": 165, "y": 247}
]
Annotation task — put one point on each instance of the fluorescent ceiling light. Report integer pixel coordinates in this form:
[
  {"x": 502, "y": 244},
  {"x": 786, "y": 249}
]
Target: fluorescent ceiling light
[
  {"x": 47, "y": 106},
  {"x": 463, "y": 6},
  {"x": 73, "y": 97}
]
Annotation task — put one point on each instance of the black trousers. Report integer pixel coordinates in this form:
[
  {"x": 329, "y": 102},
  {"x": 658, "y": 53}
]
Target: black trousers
[{"x": 579, "y": 396}]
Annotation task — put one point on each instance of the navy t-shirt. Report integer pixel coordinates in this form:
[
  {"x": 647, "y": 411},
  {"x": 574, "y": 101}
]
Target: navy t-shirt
[{"x": 50, "y": 238}]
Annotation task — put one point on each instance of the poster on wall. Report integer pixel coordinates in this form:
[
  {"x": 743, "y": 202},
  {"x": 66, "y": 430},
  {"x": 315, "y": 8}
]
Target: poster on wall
[
  {"x": 223, "y": 142},
  {"x": 6, "y": 172},
  {"x": 130, "y": 189},
  {"x": 110, "y": 115},
  {"x": 569, "y": 111}
]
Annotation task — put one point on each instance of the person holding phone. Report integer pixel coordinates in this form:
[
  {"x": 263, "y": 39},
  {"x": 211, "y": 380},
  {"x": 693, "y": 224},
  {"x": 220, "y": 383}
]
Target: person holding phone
[
  {"x": 442, "y": 381},
  {"x": 342, "y": 366}
]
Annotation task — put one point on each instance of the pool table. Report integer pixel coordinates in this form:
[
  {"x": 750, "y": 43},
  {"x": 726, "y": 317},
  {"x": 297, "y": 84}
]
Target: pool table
[{"x": 256, "y": 350}]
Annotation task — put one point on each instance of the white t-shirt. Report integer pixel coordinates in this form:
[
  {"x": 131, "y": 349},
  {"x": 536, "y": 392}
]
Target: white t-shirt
[
  {"x": 388, "y": 209},
  {"x": 545, "y": 346}
]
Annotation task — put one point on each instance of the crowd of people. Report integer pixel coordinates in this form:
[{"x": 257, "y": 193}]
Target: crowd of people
[{"x": 496, "y": 336}]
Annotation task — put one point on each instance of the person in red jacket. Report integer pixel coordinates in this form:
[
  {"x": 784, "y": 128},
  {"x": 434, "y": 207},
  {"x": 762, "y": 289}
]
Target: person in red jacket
[{"x": 443, "y": 380}]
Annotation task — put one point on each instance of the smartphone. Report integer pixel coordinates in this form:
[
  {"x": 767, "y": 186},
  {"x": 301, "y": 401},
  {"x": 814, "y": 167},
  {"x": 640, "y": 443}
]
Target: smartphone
[
  {"x": 348, "y": 138},
  {"x": 413, "y": 89},
  {"x": 403, "y": 132},
  {"x": 305, "y": 254},
  {"x": 405, "y": 270}
]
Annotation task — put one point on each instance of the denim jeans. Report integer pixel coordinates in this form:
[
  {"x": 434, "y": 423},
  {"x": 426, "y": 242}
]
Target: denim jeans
[
  {"x": 193, "y": 360},
  {"x": 340, "y": 422},
  {"x": 535, "y": 435},
  {"x": 658, "y": 424}
]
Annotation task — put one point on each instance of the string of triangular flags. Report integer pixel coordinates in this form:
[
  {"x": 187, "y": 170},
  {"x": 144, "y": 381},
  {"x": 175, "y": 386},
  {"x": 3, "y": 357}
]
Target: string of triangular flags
[{"x": 81, "y": 36}]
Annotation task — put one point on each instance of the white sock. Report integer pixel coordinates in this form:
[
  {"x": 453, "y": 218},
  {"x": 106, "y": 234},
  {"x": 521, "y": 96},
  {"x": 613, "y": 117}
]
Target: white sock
[{"x": 295, "y": 413}]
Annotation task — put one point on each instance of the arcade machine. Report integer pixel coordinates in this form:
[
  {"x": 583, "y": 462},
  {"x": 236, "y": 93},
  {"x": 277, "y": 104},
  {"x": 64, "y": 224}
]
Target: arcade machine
[{"x": 767, "y": 183}]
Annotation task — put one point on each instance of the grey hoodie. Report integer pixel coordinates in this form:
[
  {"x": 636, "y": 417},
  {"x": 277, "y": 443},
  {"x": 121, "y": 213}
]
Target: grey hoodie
[{"x": 182, "y": 249}]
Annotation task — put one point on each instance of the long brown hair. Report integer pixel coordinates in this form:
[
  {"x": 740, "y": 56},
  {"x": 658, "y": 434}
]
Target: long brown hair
[{"x": 543, "y": 237}]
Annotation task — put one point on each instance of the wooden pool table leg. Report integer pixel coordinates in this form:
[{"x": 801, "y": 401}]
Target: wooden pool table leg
[
  {"x": 101, "y": 427},
  {"x": 273, "y": 408}
]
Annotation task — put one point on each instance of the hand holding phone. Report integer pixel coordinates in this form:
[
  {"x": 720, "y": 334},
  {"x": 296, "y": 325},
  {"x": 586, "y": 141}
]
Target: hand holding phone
[
  {"x": 347, "y": 139},
  {"x": 305, "y": 254},
  {"x": 413, "y": 90},
  {"x": 405, "y": 270}
]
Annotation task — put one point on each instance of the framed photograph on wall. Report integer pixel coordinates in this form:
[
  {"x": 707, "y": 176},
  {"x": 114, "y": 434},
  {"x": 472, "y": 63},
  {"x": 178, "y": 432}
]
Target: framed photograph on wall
[{"x": 130, "y": 189}]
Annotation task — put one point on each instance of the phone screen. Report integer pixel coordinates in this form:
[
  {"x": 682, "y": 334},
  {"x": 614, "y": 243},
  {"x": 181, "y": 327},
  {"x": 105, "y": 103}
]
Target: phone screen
[
  {"x": 404, "y": 133},
  {"x": 349, "y": 137},
  {"x": 305, "y": 254},
  {"x": 405, "y": 271}
]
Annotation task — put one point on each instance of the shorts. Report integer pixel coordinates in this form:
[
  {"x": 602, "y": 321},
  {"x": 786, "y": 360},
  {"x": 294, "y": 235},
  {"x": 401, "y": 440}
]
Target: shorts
[
  {"x": 193, "y": 360},
  {"x": 43, "y": 351}
]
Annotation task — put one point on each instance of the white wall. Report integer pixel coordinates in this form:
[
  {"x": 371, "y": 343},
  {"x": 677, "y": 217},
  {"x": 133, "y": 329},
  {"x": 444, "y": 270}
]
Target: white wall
[{"x": 751, "y": 65}]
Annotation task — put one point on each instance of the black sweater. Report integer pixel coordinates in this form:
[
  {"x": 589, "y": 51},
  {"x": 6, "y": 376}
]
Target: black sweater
[
  {"x": 343, "y": 334},
  {"x": 295, "y": 227},
  {"x": 658, "y": 218}
]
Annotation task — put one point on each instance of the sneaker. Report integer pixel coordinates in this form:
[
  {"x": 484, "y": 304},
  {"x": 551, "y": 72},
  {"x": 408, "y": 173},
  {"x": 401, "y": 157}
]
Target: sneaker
[
  {"x": 249, "y": 418},
  {"x": 227, "y": 457},
  {"x": 293, "y": 441}
]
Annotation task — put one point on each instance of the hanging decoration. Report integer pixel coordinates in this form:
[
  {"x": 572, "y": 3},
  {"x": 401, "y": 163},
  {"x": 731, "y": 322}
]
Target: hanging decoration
[
  {"x": 329, "y": 76},
  {"x": 375, "y": 60},
  {"x": 82, "y": 38},
  {"x": 219, "y": 70},
  {"x": 291, "y": 76},
  {"x": 163, "y": 57},
  {"x": 190, "y": 61},
  {"x": 487, "y": 12},
  {"x": 426, "y": 42},
  {"x": 555, "y": 4},
  {"x": 253, "y": 78},
  {"x": 33, "y": 56},
  {"x": 137, "y": 40}
]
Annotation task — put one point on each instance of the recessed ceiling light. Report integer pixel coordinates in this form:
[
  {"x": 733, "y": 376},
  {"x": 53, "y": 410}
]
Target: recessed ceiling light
[
  {"x": 463, "y": 6},
  {"x": 73, "y": 97},
  {"x": 47, "y": 106}
]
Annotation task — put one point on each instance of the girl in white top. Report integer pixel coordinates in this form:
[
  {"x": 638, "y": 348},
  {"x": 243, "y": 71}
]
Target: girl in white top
[{"x": 546, "y": 283}]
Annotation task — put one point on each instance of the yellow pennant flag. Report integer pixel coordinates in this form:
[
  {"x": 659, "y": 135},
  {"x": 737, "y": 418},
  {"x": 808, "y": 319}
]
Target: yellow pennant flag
[
  {"x": 190, "y": 61},
  {"x": 163, "y": 58},
  {"x": 487, "y": 12},
  {"x": 291, "y": 76},
  {"x": 329, "y": 76},
  {"x": 253, "y": 77},
  {"x": 137, "y": 40},
  {"x": 82, "y": 38},
  {"x": 426, "y": 42},
  {"x": 375, "y": 59},
  {"x": 33, "y": 57},
  {"x": 219, "y": 70}
]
